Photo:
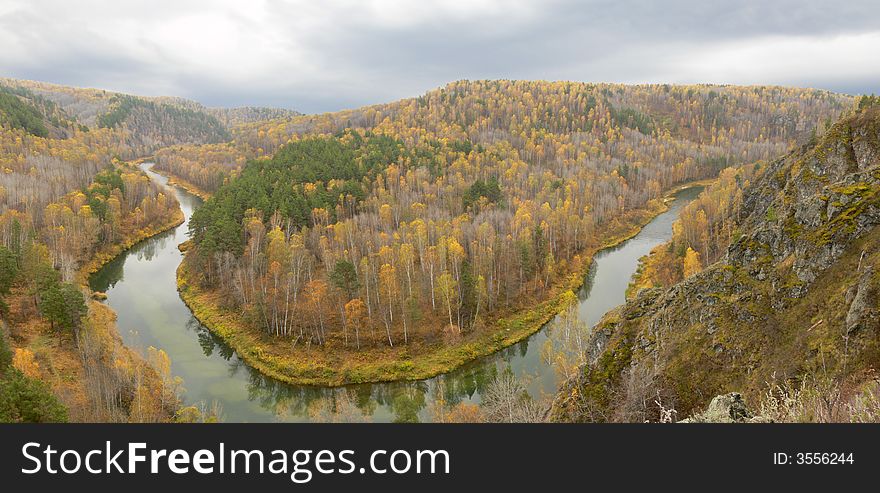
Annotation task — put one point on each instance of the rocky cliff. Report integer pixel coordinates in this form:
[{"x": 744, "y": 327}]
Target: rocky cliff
[{"x": 796, "y": 295}]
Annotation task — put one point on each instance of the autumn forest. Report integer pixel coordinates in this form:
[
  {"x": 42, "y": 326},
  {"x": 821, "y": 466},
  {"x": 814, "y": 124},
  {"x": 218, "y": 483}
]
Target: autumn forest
[
  {"x": 391, "y": 242},
  {"x": 411, "y": 228}
]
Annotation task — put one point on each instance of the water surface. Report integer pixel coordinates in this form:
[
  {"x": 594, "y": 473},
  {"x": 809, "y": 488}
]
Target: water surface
[{"x": 141, "y": 287}]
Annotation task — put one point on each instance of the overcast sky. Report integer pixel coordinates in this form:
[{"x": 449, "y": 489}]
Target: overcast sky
[{"x": 324, "y": 55}]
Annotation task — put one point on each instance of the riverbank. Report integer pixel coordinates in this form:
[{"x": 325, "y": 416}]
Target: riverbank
[
  {"x": 104, "y": 335},
  {"x": 334, "y": 364},
  {"x": 68, "y": 362},
  {"x": 189, "y": 187},
  {"x": 105, "y": 255},
  {"x": 638, "y": 280}
]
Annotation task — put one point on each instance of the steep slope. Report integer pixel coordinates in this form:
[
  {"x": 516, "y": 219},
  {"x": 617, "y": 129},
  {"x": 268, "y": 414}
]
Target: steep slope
[
  {"x": 794, "y": 298},
  {"x": 151, "y": 125},
  {"x": 22, "y": 109}
]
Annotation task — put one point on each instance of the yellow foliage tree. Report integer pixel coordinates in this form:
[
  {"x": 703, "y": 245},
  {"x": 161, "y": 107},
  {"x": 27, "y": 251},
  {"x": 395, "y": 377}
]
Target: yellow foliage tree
[
  {"x": 23, "y": 360},
  {"x": 692, "y": 263},
  {"x": 356, "y": 315}
]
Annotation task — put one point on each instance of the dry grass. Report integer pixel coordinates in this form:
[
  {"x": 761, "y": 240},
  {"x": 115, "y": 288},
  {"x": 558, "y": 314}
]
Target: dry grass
[{"x": 821, "y": 400}]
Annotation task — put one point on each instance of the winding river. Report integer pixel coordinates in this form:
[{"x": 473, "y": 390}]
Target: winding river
[{"x": 141, "y": 287}]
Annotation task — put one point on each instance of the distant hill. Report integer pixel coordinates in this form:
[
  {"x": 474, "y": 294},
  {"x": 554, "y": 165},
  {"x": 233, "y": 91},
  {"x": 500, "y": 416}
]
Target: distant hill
[
  {"x": 55, "y": 138},
  {"x": 232, "y": 117},
  {"x": 151, "y": 123},
  {"x": 22, "y": 109}
]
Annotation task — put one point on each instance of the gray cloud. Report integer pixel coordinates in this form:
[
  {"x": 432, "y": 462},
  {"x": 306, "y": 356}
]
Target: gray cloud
[{"x": 321, "y": 56}]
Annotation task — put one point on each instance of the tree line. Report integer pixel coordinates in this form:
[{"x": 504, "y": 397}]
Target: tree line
[{"x": 421, "y": 220}]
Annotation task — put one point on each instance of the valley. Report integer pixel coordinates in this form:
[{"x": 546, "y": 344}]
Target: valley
[
  {"x": 440, "y": 258},
  {"x": 140, "y": 287}
]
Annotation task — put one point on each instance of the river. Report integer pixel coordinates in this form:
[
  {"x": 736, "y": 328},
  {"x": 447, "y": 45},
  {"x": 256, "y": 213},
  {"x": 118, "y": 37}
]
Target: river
[{"x": 141, "y": 287}]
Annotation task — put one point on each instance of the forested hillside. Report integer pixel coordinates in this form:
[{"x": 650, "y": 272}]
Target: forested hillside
[
  {"x": 424, "y": 222},
  {"x": 387, "y": 242},
  {"x": 23, "y": 396},
  {"x": 777, "y": 299},
  {"x": 67, "y": 203},
  {"x": 145, "y": 124},
  {"x": 233, "y": 117},
  {"x": 148, "y": 125},
  {"x": 21, "y": 109},
  {"x": 55, "y": 139},
  {"x": 625, "y": 125}
]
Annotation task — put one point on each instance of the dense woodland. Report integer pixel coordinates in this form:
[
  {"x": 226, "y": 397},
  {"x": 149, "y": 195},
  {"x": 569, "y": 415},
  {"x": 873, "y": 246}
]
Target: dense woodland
[
  {"x": 232, "y": 117},
  {"x": 23, "y": 396},
  {"x": 414, "y": 222},
  {"x": 421, "y": 220},
  {"x": 66, "y": 199}
]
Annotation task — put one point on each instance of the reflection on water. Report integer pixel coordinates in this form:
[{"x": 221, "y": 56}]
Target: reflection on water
[{"x": 141, "y": 287}]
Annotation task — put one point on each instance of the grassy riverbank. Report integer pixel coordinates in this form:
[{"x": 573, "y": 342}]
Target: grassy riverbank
[{"x": 336, "y": 364}]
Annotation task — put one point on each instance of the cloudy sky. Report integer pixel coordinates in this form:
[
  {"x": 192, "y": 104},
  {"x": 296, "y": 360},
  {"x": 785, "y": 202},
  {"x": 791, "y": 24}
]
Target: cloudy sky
[{"x": 324, "y": 55}]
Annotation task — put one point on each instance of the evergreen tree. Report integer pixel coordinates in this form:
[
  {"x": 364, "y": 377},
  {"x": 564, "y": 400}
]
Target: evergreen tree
[
  {"x": 26, "y": 400},
  {"x": 8, "y": 273},
  {"x": 468, "y": 292},
  {"x": 63, "y": 305},
  {"x": 344, "y": 277}
]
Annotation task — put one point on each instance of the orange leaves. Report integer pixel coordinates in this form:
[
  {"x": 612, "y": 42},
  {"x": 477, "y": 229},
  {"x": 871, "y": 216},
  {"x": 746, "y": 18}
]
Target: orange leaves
[
  {"x": 24, "y": 361},
  {"x": 316, "y": 292},
  {"x": 356, "y": 312}
]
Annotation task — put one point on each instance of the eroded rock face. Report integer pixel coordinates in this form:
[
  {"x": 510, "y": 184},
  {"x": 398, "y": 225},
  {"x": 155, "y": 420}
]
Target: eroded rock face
[
  {"x": 790, "y": 286},
  {"x": 810, "y": 207},
  {"x": 863, "y": 304}
]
